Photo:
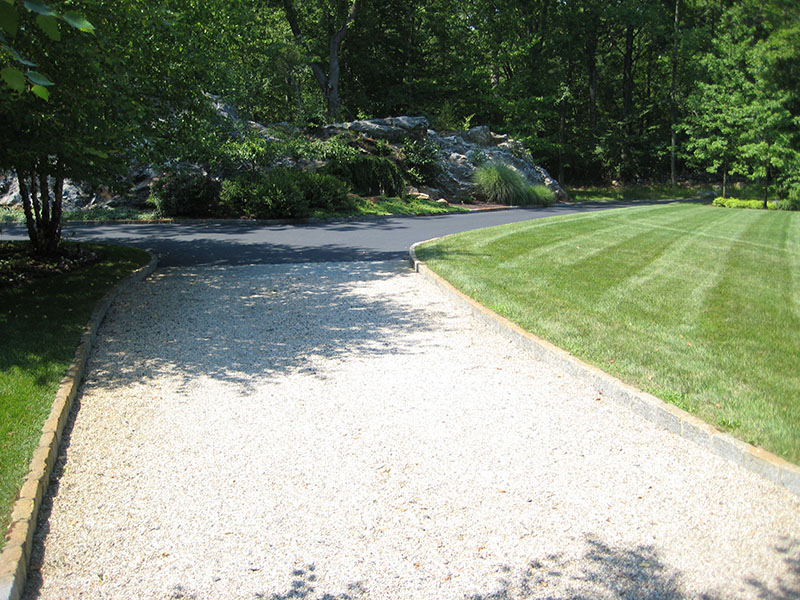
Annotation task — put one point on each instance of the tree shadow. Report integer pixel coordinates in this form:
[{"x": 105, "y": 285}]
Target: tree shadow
[
  {"x": 788, "y": 587},
  {"x": 304, "y": 586},
  {"x": 602, "y": 572},
  {"x": 252, "y": 327},
  {"x": 637, "y": 573}
]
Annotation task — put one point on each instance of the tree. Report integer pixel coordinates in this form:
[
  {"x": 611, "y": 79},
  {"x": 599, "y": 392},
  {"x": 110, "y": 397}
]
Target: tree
[
  {"x": 337, "y": 17},
  {"x": 47, "y": 19},
  {"x": 740, "y": 119},
  {"x": 115, "y": 101}
]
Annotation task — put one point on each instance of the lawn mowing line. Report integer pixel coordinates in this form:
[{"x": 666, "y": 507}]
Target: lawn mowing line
[
  {"x": 663, "y": 270},
  {"x": 739, "y": 340},
  {"x": 591, "y": 240},
  {"x": 792, "y": 247},
  {"x": 717, "y": 237}
]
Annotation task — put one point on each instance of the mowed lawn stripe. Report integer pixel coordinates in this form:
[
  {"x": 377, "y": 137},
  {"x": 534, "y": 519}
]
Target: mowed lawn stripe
[
  {"x": 762, "y": 339},
  {"x": 697, "y": 305}
]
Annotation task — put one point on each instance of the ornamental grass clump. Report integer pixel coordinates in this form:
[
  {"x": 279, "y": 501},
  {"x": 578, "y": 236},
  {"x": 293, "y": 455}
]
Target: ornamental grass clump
[
  {"x": 539, "y": 195},
  {"x": 500, "y": 184}
]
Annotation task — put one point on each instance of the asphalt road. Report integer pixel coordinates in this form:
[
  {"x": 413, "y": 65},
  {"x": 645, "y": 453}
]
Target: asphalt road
[{"x": 240, "y": 242}]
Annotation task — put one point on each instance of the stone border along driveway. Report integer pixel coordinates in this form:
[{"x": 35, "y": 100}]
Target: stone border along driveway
[
  {"x": 768, "y": 465},
  {"x": 16, "y": 553}
]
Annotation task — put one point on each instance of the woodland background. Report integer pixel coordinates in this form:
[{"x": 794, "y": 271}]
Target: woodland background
[{"x": 598, "y": 90}]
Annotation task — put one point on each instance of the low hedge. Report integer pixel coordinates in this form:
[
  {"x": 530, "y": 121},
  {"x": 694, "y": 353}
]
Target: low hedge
[{"x": 735, "y": 203}]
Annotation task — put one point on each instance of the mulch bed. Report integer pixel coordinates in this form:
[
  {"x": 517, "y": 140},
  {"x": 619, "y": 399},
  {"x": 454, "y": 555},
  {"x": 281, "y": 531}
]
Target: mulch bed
[{"x": 19, "y": 265}]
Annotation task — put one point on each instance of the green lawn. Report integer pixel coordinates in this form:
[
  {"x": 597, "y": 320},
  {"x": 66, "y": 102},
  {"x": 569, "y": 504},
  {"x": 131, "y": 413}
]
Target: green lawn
[
  {"x": 697, "y": 305},
  {"x": 40, "y": 327}
]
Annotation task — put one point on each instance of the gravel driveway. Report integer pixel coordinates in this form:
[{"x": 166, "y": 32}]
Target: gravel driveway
[{"x": 339, "y": 430}]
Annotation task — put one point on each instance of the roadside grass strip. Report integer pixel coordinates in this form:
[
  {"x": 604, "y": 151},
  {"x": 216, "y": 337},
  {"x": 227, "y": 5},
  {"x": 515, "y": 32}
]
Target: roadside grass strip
[
  {"x": 697, "y": 306},
  {"x": 40, "y": 326}
]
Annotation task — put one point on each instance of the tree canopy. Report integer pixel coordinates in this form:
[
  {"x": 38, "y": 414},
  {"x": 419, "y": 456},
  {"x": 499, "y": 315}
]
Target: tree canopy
[{"x": 623, "y": 90}]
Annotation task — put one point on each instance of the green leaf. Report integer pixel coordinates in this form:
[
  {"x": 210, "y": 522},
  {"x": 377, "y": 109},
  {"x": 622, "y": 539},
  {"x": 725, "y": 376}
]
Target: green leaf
[
  {"x": 78, "y": 22},
  {"x": 14, "y": 78},
  {"x": 18, "y": 58},
  {"x": 41, "y": 92},
  {"x": 9, "y": 21},
  {"x": 98, "y": 153},
  {"x": 11, "y": 2},
  {"x": 50, "y": 26},
  {"x": 38, "y": 78},
  {"x": 40, "y": 8}
]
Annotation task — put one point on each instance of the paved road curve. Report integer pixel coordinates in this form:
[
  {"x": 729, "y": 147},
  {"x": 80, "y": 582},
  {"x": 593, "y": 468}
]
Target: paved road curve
[{"x": 241, "y": 243}]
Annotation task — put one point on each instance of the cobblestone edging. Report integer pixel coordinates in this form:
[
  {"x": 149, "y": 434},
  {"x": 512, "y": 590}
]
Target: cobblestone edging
[
  {"x": 672, "y": 418},
  {"x": 16, "y": 553}
]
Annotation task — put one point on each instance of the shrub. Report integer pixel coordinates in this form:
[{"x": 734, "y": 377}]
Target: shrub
[
  {"x": 367, "y": 175},
  {"x": 324, "y": 191},
  {"x": 248, "y": 153},
  {"x": 185, "y": 192},
  {"x": 499, "y": 183},
  {"x": 539, "y": 195},
  {"x": 282, "y": 193},
  {"x": 272, "y": 195},
  {"x": 735, "y": 203},
  {"x": 792, "y": 202},
  {"x": 422, "y": 160}
]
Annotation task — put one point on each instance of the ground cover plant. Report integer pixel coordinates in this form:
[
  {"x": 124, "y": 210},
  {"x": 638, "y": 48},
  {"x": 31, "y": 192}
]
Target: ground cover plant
[
  {"x": 736, "y": 203},
  {"x": 694, "y": 304},
  {"x": 41, "y": 320}
]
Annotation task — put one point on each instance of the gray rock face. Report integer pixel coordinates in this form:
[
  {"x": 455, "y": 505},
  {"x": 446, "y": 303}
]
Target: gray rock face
[
  {"x": 393, "y": 129},
  {"x": 461, "y": 153},
  {"x": 464, "y": 151}
]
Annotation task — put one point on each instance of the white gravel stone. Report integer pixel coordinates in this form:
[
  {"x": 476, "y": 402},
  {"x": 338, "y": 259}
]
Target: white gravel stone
[{"x": 339, "y": 431}]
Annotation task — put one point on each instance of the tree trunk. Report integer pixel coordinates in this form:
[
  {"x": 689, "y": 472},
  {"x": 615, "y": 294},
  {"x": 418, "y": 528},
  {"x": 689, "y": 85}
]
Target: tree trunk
[
  {"x": 591, "y": 59},
  {"x": 328, "y": 83},
  {"x": 42, "y": 213},
  {"x": 627, "y": 102},
  {"x": 673, "y": 116},
  {"x": 562, "y": 142},
  {"x": 724, "y": 181}
]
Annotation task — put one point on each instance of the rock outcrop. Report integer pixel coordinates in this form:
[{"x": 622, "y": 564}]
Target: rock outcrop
[{"x": 461, "y": 152}]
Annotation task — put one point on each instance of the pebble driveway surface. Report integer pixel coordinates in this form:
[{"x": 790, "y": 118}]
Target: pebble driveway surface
[{"x": 340, "y": 430}]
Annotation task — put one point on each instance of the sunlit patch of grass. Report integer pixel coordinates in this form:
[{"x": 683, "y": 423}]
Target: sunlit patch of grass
[
  {"x": 393, "y": 206},
  {"x": 633, "y": 193}
]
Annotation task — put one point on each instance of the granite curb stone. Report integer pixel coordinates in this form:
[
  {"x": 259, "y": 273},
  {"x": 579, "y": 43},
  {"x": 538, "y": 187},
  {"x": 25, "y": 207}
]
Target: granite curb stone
[
  {"x": 19, "y": 537},
  {"x": 767, "y": 465}
]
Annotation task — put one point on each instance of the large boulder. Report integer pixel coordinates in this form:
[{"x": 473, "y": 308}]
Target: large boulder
[
  {"x": 463, "y": 152},
  {"x": 392, "y": 129}
]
